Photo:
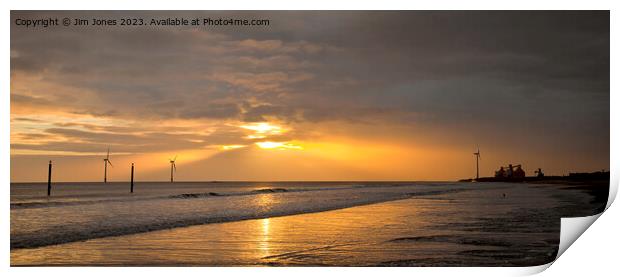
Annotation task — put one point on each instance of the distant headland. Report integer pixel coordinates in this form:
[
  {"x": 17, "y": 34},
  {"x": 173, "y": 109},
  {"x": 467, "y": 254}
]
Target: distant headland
[{"x": 575, "y": 177}]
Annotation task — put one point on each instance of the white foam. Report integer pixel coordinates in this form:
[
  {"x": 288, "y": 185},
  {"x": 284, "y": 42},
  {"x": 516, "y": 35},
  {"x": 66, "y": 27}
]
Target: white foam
[{"x": 56, "y": 224}]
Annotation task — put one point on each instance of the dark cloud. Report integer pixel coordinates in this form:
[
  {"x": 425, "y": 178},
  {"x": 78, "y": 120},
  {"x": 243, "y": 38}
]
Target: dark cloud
[
  {"x": 215, "y": 111},
  {"x": 25, "y": 119},
  {"x": 504, "y": 72},
  {"x": 265, "y": 112},
  {"x": 138, "y": 141},
  {"x": 19, "y": 99}
]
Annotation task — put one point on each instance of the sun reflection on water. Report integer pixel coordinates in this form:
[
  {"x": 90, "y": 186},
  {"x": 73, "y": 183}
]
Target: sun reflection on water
[
  {"x": 265, "y": 201},
  {"x": 263, "y": 240}
]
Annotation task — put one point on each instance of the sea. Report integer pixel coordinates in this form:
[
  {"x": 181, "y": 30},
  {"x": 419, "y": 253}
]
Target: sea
[{"x": 291, "y": 223}]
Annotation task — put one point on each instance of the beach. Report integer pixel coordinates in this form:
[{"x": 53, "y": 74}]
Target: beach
[
  {"x": 277, "y": 138},
  {"x": 296, "y": 224}
]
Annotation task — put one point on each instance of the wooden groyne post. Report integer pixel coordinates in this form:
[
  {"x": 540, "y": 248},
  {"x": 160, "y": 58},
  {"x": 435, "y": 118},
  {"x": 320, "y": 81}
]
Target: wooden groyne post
[
  {"x": 131, "y": 177},
  {"x": 49, "y": 178}
]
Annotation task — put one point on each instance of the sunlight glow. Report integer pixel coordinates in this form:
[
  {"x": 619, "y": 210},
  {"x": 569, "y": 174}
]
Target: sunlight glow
[
  {"x": 264, "y": 128},
  {"x": 264, "y": 238},
  {"x": 278, "y": 145},
  {"x": 234, "y": 146}
]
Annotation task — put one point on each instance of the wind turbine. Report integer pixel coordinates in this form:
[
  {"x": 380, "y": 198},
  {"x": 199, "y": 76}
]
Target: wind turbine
[
  {"x": 173, "y": 168},
  {"x": 106, "y": 161},
  {"x": 477, "y": 154}
]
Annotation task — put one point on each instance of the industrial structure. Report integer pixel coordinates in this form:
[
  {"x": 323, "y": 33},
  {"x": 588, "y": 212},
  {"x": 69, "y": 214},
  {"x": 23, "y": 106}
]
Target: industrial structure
[
  {"x": 510, "y": 171},
  {"x": 539, "y": 173}
]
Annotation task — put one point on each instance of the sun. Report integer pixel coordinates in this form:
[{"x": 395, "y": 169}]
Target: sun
[{"x": 263, "y": 128}]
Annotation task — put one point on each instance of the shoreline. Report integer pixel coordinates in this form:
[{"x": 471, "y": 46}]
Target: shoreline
[
  {"x": 596, "y": 189},
  {"x": 595, "y": 184},
  {"x": 153, "y": 223},
  {"x": 428, "y": 230}
]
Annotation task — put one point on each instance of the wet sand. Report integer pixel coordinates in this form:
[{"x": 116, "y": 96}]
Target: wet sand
[{"x": 464, "y": 228}]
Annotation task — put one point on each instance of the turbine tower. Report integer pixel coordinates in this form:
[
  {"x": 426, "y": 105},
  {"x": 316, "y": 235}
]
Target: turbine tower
[
  {"x": 106, "y": 161},
  {"x": 173, "y": 168},
  {"x": 477, "y": 154}
]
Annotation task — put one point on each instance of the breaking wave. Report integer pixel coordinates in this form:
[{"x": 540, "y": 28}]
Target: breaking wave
[{"x": 63, "y": 223}]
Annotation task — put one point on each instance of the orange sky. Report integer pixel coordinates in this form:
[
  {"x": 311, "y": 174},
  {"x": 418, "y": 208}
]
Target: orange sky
[{"x": 355, "y": 99}]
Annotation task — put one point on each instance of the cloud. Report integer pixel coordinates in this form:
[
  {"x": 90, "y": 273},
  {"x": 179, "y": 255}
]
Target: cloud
[
  {"x": 473, "y": 74},
  {"x": 271, "y": 82}
]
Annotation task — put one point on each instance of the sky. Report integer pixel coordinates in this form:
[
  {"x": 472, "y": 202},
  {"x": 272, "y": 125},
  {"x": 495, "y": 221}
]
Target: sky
[{"x": 315, "y": 95}]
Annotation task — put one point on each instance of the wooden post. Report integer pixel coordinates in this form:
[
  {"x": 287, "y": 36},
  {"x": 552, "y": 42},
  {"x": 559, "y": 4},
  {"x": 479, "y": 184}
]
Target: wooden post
[
  {"x": 131, "y": 177},
  {"x": 49, "y": 179}
]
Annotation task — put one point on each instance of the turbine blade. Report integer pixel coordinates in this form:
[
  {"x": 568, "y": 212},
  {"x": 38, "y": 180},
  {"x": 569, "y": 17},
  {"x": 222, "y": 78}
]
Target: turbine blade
[
  {"x": 108, "y": 155},
  {"x": 175, "y": 158},
  {"x": 175, "y": 167},
  {"x": 110, "y": 163}
]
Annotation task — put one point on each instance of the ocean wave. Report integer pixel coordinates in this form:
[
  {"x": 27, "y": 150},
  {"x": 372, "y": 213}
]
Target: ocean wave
[
  {"x": 49, "y": 226},
  {"x": 195, "y": 195},
  {"x": 43, "y": 204}
]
